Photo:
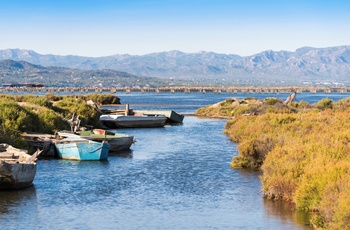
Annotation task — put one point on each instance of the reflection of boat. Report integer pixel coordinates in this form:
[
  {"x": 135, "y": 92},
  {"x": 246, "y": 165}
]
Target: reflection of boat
[
  {"x": 77, "y": 148},
  {"x": 127, "y": 153},
  {"x": 133, "y": 121},
  {"x": 17, "y": 167},
  {"x": 117, "y": 141},
  {"x": 10, "y": 198}
]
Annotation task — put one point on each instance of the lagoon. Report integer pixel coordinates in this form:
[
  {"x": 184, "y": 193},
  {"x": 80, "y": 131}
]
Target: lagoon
[{"x": 176, "y": 177}]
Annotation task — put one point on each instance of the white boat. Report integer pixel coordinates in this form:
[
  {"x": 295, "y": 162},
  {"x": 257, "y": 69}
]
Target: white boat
[
  {"x": 17, "y": 167},
  {"x": 133, "y": 121},
  {"x": 117, "y": 141},
  {"x": 172, "y": 116}
]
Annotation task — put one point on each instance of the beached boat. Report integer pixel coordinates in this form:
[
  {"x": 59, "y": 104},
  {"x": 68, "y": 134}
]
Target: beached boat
[
  {"x": 17, "y": 167},
  {"x": 77, "y": 148},
  {"x": 133, "y": 121},
  {"x": 117, "y": 141}
]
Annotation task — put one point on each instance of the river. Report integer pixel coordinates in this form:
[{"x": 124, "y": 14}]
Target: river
[{"x": 176, "y": 177}]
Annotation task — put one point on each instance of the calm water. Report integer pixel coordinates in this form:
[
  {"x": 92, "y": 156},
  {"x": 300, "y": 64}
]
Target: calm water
[{"x": 176, "y": 177}]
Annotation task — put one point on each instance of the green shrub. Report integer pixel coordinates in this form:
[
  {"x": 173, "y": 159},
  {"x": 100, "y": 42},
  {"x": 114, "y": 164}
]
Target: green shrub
[
  {"x": 28, "y": 113},
  {"x": 250, "y": 99},
  {"x": 342, "y": 104},
  {"x": 271, "y": 101},
  {"x": 70, "y": 106},
  {"x": 240, "y": 110},
  {"x": 13, "y": 120},
  {"x": 103, "y": 98},
  {"x": 52, "y": 97},
  {"x": 325, "y": 104},
  {"x": 42, "y": 101}
]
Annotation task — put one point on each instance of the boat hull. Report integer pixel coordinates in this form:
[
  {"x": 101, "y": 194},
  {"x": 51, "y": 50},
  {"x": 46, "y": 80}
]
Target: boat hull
[
  {"x": 172, "y": 116},
  {"x": 116, "y": 141},
  {"x": 82, "y": 151},
  {"x": 16, "y": 176},
  {"x": 120, "y": 143},
  {"x": 116, "y": 144},
  {"x": 17, "y": 168},
  {"x": 133, "y": 121}
]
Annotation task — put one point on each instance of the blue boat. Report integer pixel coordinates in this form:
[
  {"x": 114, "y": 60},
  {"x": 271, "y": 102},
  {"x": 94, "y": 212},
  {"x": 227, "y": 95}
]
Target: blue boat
[{"x": 81, "y": 149}]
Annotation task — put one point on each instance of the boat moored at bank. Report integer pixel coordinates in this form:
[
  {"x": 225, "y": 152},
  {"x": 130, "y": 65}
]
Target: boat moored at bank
[
  {"x": 117, "y": 141},
  {"x": 76, "y": 148},
  {"x": 133, "y": 121},
  {"x": 17, "y": 167}
]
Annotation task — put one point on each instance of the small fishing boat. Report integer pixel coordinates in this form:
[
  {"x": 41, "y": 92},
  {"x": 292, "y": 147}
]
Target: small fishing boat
[
  {"x": 172, "y": 116},
  {"x": 77, "y": 148},
  {"x": 133, "y": 121},
  {"x": 17, "y": 167},
  {"x": 117, "y": 141}
]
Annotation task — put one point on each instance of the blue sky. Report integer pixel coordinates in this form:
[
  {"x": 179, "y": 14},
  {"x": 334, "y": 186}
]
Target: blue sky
[{"x": 106, "y": 27}]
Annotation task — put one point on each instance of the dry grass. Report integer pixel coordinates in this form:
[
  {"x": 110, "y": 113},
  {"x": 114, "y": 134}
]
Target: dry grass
[{"x": 303, "y": 153}]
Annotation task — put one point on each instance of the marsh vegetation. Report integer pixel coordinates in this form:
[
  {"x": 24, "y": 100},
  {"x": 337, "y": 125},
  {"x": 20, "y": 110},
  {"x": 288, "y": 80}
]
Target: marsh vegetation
[
  {"x": 302, "y": 151},
  {"x": 46, "y": 114}
]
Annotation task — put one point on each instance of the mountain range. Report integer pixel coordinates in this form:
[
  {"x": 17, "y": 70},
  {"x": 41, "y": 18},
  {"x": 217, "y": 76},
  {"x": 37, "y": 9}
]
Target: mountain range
[
  {"x": 306, "y": 64},
  {"x": 16, "y": 72}
]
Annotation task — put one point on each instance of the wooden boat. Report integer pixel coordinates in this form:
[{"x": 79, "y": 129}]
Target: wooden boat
[
  {"x": 17, "y": 167},
  {"x": 171, "y": 115},
  {"x": 117, "y": 141},
  {"x": 77, "y": 148},
  {"x": 133, "y": 121}
]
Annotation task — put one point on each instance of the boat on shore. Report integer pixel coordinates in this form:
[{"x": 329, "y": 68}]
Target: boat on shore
[
  {"x": 117, "y": 141},
  {"x": 133, "y": 121},
  {"x": 80, "y": 149},
  {"x": 17, "y": 167}
]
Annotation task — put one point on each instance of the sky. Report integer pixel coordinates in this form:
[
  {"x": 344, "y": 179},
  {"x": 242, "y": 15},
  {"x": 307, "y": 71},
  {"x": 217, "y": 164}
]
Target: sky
[{"x": 98, "y": 28}]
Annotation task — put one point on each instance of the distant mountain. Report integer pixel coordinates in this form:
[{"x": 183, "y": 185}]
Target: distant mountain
[
  {"x": 25, "y": 72},
  {"x": 305, "y": 64}
]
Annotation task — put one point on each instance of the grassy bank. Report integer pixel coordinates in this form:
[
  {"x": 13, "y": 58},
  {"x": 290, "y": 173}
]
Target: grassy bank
[
  {"x": 301, "y": 149},
  {"x": 45, "y": 114}
]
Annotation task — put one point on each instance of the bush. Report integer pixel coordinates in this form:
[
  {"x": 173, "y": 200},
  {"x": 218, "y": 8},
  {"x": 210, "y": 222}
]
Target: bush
[
  {"x": 303, "y": 153},
  {"x": 342, "y": 105},
  {"x": 300, "y": 105},
  {"x": 13, "y": 120},
  {"x": 325, "y": 104},
  {"x": 27, "y": 113},
  {"x": 103, "y": 98},
  {"x": 42, "y": 101},
  {"x": 70, "y": 106},
  {"x": 52, "y": 97},
  {"x": 271, "y": 101},
  {"x": 45, "y": 120}
]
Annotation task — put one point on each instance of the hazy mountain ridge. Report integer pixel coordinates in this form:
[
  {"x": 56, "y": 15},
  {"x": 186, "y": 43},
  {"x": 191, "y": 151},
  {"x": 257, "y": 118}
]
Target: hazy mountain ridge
[
  {"x": 331, "y": 63},
  {"x": 24, "y": 72}
]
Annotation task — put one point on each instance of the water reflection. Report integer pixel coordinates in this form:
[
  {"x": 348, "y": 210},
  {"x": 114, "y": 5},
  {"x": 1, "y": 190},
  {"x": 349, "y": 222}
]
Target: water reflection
[
  {"x": 287, "y": 212},
  {"x": 127, "y": 153},
  {"x": 10, "y": 199}
]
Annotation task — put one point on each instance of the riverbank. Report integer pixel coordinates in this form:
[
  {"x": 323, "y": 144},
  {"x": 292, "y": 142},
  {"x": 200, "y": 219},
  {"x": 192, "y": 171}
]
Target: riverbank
[
  {"x": 301, "y": 149},
  {"x": 46, "y": 114}
]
